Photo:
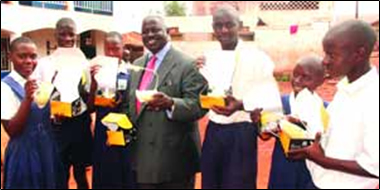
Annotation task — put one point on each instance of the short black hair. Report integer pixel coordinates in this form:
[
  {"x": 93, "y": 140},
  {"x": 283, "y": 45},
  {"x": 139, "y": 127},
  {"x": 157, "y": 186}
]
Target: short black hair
[
  {"x": 20, "y": 40},
  {"x": 357, "y": 33},
  {"x": 114, "y": 34},
  {"x": 65, "y": 22},
  {"x": 313, "y": 63}
]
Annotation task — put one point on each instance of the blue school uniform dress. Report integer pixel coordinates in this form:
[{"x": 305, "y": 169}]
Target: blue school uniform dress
[
  {"x": 31, "y": 159},
  {"x": 112, "y": 164},
  {"x": 73, "y": 135},
  {"x": 288, "y": 174}
]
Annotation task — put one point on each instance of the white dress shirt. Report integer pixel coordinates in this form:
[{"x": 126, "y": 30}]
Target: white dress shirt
[
  {"x": 307, "y": 107},
  {"x": 9, "y": 101},
  {"x": 253, "y": 83},
  {"x": 353, "y": 134}
]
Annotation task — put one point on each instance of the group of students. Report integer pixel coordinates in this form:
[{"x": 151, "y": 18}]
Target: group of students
[
  {"x": 166, "y": 154},
  {"x": 41, "y": 150}
]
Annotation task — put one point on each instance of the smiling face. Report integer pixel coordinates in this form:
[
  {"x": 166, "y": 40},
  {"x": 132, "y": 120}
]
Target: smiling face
[
  {"x": 24, "y": 58},
  {"x": 226, "y": 28},
  {"x": 309, "y": 75},
  {"x": 154, "y": 34},
  {"x": 66, "y": 36}
]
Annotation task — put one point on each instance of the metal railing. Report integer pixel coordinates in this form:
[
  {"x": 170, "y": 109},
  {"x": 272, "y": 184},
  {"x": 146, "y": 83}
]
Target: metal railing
[
  {"x": 4, "y": 62},
  {"x": 54, "y": 3},
  {"x": 96, "y": 7},
  {"x": 45, "y": 4},
  {"x": 5, "y": 65},
  {"x": 289, "y": 5}
]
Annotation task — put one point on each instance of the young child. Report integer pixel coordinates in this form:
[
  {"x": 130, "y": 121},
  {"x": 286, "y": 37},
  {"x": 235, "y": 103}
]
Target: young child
[
  {"x": 31, "y": 158},
  {"x": 111, "y": 167},
  {"x": 305, "y": 104},
  {"x": 347, "y": 157},
  {"x": 73, "y": 135}
]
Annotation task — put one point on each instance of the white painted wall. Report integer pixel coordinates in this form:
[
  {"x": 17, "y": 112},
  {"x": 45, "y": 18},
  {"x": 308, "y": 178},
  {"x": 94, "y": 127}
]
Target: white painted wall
[{"x": 368, "y": 10}]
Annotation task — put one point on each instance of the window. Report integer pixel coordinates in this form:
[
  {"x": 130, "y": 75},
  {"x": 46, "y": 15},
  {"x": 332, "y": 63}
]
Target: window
[
  {"x": 45, "y": 4},
  {"x": 95, "y": 7},
  {"x": 5, "y": 65}
]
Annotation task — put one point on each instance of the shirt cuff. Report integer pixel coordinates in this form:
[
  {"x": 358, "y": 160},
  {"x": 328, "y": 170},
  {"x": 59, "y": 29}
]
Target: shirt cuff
[
  {"x": 169, "y": 112},
  {"x": 368, "y": 165}
]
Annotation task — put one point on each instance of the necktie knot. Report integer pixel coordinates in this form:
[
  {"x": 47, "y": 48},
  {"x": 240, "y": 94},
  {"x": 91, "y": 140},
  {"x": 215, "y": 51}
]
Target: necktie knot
[{"x": 152, "y": 63}]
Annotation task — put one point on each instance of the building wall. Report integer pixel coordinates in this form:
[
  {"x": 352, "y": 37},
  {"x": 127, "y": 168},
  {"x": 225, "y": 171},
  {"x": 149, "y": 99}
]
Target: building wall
[
  {"x": 274, "y": 38},
  {"x": 99, "y": 41},
  {"x": 203, "y": 8},
  {"x": 286, "y": 49},
  {"x": 197, "y": 37},
  {"x": 283, "y": 48},
  {"x": 40, "y": 24},
  {"x": 13, "y": 19},
  {"x": 40, "y": 37},
  {"x": 273, "y": 19}
]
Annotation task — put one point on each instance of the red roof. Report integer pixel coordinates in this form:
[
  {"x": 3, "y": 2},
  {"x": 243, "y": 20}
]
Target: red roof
[{"x": 132, "y": 38}]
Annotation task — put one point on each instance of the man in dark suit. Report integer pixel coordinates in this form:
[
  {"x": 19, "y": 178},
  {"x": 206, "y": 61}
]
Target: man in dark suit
[{"x": 167, "y": 150}]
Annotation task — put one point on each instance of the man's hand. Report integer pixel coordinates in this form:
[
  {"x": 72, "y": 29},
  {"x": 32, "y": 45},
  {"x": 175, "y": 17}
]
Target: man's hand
[
  {"x": 233, "y": 105},
  {"x": 160, "y": 102},
  {"x": 200, "y": 62},
  {"x": 312, "y": 152}
]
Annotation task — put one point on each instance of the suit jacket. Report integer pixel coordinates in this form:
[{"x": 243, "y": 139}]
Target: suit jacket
[{"x": 168, "y": 149}]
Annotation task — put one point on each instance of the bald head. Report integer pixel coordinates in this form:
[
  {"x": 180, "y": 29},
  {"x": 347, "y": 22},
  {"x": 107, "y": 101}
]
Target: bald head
[
  {"x": 113, "y": 45},
  {"x": 354, "y": 34},
  {"x": 227, "y": 10},
  {"x": 114, "y": 37},
  {"x": 308, "y": 73},
  {"x": 65, "y": 22},
  {"x": 154, "y": 33},
  {"x": 348, "y": 47},
  {"x": 65, "y": 33},
  {"x": 226, "y": 26},
  {"x": 155, "y": 18},
  {"x": 312, "y": 63}
]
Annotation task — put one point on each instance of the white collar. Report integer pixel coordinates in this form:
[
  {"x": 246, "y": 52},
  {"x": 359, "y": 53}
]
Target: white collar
[
  {"x": 162, "y": 53},
  {"x": 18, "y": 78},
  {"x": 123, "y": 67},
  {"x": 358, "y": 84}
]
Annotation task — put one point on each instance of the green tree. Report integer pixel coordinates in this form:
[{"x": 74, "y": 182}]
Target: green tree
[{"x": 174, "y": 8}]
